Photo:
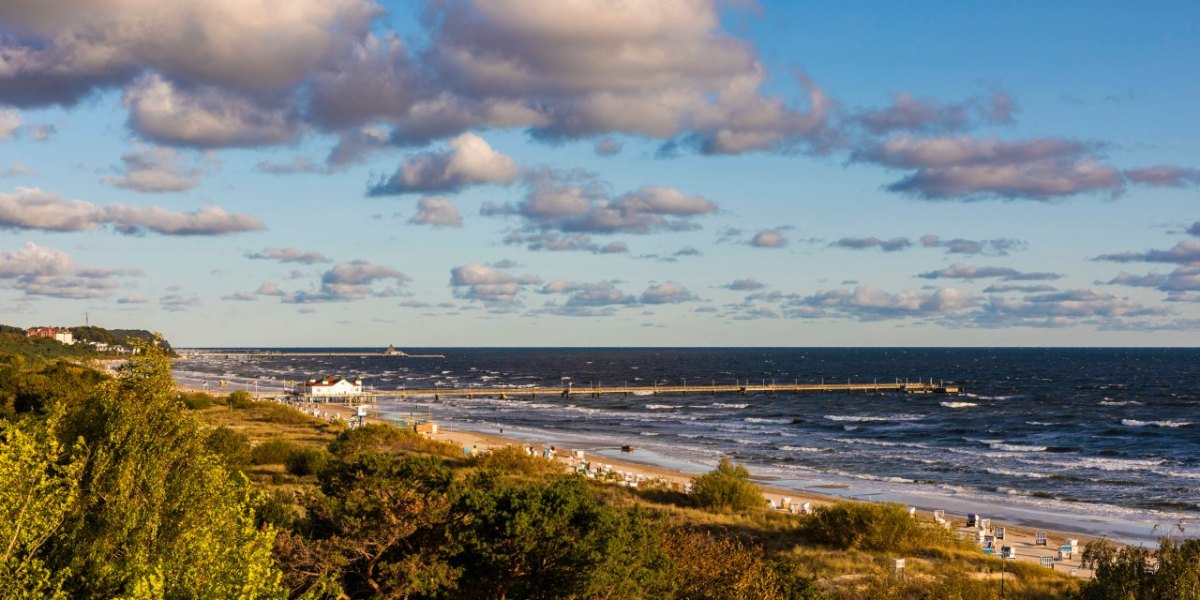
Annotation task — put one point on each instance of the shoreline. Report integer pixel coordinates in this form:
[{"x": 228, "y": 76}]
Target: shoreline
[{"x": 1020, "y": 522}]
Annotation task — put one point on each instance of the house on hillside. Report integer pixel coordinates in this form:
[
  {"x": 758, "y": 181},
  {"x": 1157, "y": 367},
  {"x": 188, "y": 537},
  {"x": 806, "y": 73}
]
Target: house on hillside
[
  {"x": 60, "y": 334},
  {"x": 333, "y": 387}
]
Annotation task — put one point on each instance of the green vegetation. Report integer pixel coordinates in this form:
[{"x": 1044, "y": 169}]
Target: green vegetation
[
  {"x": 126, "y": 488},
  {"x": 728, "y": 487}
]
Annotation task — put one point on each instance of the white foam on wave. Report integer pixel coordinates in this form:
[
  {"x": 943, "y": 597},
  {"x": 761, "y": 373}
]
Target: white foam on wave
[
  {"x": 958, "y": 404},
  {"x": 1167, "y": 424},
  {"x": 800, "y": 449},
  {"x": 870, "y": 418},
  {"x": 724, "y": 405},
  {"x": 663, "y": 406},
  {"x": 1016, "y": 447},
  {"x": 1107, "y": 402},
  {"x": 1011, "y": 473},
  {"x": 766, "y": 420}
]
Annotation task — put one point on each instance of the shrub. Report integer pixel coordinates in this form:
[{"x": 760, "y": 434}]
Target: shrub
[
  {"x": 272, "y": 412},
  {"x": 379, "y": 437},
  {"x": 873, "y": 527},
  {"x": 307, "y": 461},
  {"x": 513, "y": 459},
  {"x": 272, "y": 452},
  {"x": 240, "y": 399},
  {"x": 727, "y": 487},
  {"x": 195, "y": 400},
  {"x": 232, "y": 446},
  {"x": 1170, "y": 571}
]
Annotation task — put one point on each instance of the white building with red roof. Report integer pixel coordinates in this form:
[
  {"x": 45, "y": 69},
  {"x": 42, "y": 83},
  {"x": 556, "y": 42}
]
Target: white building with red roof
[{"x": 333, "y": 386}]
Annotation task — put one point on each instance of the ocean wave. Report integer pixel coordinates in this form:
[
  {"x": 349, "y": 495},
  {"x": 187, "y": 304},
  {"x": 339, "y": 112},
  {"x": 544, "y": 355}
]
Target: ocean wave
[
  {"x": 1108, "y": 402},
  {"x": 1011, "y": 473},
  {"x": 800, "y": 449},
  {"x": 958, "y": 404},
  {"x": 983, "y": 397},
  {"x": 1016, "y": 447},
  {"x": 766, "y": 420},
  {"x": 868, "y": 419},
  {"x": 1167, "y": 424},
  {"x": 663, "y": 406},
  {"x": 724, "y": 405}
]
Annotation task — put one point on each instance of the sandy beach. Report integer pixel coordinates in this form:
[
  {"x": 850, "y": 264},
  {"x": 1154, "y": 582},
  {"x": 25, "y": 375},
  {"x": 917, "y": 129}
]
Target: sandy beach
[{"x": 1022, "y": 539}]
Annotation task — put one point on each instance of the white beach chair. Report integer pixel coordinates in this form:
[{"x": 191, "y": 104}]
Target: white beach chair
[
  {"x": 999, "y": 533},
  {"x": 1039, "y": 538},
  {"x": 1046, "y": 561}
]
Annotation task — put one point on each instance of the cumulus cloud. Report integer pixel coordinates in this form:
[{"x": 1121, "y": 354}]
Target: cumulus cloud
[
  {"x": 1060, "y": 309},
  {"x": 769, "y": 238},
  {"x": 744, "y": 285},
  {"x": 43, "y": 271},
  {"x": 32, "y": 208},
  {"x": 863, "y": 243},
  {"x": 667, "y": 292},
  {"x": 959, "y": 271},
  {"x": 438, "y": 212},
  {"x": 489, "y": 285},
  {"x": 206, "y": 117},
  {"x": 867, "y": 303},
  {"x": 344, "y": 282},
  {"x": 1185, "y": 252},
  {"x": 975, "y": 168},
  {"x": 576, "y": 203},
  {"x": 907, "y": 113},
  {"x": 1164, "y": 176},
  {"x": 154, "y": 170},
  {"x": 288, "y": 255},
  {"x": 570, "y": 242},
  {"x": 587, "y": 295},
  {"x": 61, "y": 54},
  {"x": 996, "y": 247},
  {"x": 468, "y": 161}
]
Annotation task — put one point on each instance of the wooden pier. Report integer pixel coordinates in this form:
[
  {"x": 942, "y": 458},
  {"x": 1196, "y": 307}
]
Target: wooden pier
[{"x": 904, "y": 387}]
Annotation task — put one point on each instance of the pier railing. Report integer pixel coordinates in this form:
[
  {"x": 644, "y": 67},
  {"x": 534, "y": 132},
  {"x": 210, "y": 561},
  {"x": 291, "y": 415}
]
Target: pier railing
[{"x": 908, "y": 387}]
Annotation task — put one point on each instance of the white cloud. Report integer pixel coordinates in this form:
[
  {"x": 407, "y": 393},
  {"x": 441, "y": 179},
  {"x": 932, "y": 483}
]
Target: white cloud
[
  {"x": 468, "y": 161},
  {"x": 43, "y": 271},
  {"x": 478, "y": 282},
  {"x": 32, "y": 208},
  {"x": 155, "y": 170},
  {"x": 667, "y": 292},
  {"x": 438, "y": 212}
]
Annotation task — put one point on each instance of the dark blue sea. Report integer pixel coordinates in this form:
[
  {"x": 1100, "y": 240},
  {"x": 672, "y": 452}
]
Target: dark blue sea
[{"x": 1112, "y": 432}]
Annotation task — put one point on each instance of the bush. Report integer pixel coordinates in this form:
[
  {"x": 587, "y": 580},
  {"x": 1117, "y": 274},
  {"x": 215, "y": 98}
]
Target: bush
[
  {"x": 379, "y": 437},
  {"x": 240, "y": 399},
  {"x": 514, "y": 459},
  {"x": 232, "y": 446},
  {"x": 727, "y": 487},
  {"x": 307, "y": 461},
  {"x": 195, "y": 400},
  {"x": 272, "y": 412},
  {"x": 873, "y": 527},
  {"x": 1170, "y": 571},
  {"x": 272, "y": 452}
]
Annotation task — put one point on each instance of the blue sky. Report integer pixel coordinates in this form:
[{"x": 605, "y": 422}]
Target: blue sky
[{"x": 514, "y": 172}]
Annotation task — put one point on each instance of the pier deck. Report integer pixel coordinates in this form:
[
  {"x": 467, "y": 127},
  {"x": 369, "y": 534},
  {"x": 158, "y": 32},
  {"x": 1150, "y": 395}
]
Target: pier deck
[{"x": 907, "y": 387}]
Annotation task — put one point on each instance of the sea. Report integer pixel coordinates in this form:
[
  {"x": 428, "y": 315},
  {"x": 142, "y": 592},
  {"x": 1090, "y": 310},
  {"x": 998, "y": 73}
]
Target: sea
[{"x": 1103, "y": 440}]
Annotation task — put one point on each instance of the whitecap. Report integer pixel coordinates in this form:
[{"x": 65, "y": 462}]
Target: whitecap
[
  {"x": 663, "y": 406},
  {"x": 1167, "y": 424},
  {"x": 1016, "y": 447},
  {"x": 724, "y": 405},
  {"x": 958, "y": 404},
  {"x": 764, "y": 420}
]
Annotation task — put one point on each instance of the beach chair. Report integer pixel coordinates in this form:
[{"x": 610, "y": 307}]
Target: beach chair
[
  {"x": 989, "y": 551},
  {"x": 912, "y": 511},
  {"x": 806, "y": 508},
  {"x": 1007, "y": 553},
  {"x": 999, "y": 533},
  {"x": 985, "y": 524},
  {"x": 1064, "y": 552},
  {"x": 972, "y": 519},
  {"x": 1046, "y": 561},
  {"x": 939, "y": 516},
  {"x": 1039, "y": 538}
]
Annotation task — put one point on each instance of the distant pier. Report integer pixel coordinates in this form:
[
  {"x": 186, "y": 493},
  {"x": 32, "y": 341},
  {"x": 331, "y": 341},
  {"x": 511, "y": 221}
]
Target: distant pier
[
  {"x": 905, "y": 387},
  {"x": 244, "y": 354}
]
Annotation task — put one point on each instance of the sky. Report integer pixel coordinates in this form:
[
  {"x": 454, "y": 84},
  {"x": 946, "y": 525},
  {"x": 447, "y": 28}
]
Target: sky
[{"x": 603, "y": 172}]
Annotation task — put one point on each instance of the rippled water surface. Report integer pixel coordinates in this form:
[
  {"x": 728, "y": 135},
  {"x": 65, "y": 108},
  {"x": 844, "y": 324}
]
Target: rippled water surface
[{"x": 1118, "y": 428}]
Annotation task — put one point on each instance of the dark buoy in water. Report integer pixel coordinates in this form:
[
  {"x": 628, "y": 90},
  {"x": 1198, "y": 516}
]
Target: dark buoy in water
[{"x": 626, "y": 448}]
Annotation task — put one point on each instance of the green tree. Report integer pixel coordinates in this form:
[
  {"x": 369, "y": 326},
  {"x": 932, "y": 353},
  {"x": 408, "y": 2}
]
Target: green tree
[
  {"x": 727, "y": 487},
  {"x": 157, "y": 513},
  {"x": 37, "y": 492},
  {"x": 1172, "y": 571},
  {"x": 376, "y": 529},
  {"x": 548, "y": 540}
]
